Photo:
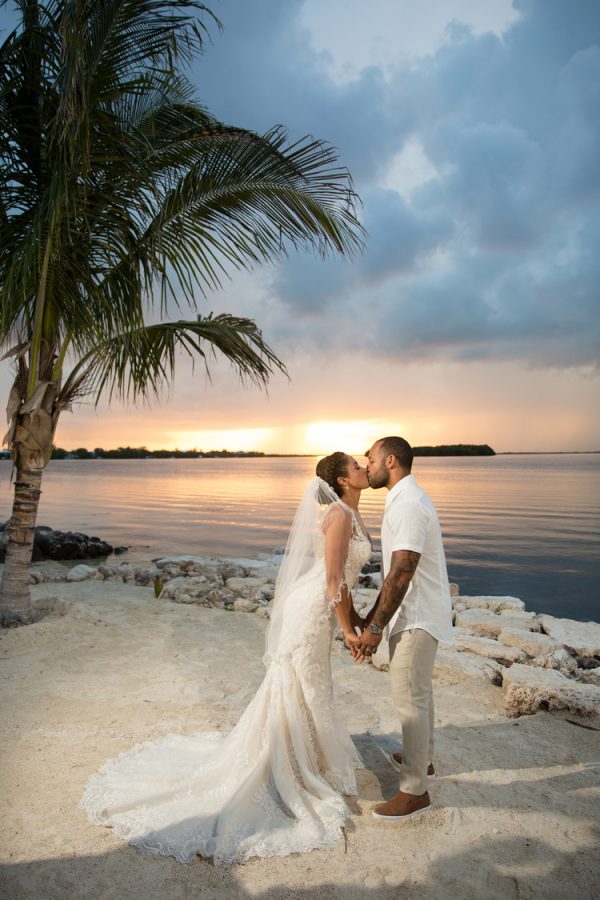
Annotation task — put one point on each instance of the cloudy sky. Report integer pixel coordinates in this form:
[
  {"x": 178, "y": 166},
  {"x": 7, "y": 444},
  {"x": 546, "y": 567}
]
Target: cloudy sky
[{"x": 472, "y": 131}]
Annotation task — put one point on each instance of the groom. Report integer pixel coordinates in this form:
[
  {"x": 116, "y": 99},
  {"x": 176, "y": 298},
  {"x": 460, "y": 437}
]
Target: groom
[{"x": 415, "y": 602}]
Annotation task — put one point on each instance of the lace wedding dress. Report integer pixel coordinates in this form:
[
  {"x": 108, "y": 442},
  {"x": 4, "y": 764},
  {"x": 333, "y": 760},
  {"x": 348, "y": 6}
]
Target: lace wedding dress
[{"x": 274, "y": 784}]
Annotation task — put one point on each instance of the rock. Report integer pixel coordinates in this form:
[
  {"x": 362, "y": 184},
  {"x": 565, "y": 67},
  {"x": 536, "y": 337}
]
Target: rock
[
  {"x": 51, "y": 544},
  {"x": 528, "y": 689},
  {"x": 262, "y": 594},
  {"x": 370, "y": 567},
  {"x": 39, "y": 577},
  {"x": 221, "y": 596},
  {"x": 191, "y": 594},
  {"x": 590, "y": 676},
  {"x": 182, "y": 584},
  {"x": 244, "y": 605},
  {"x": 453, "y": 667},
  {"x": 454, "y": 590},
  {"x": 232, "y": 570},
  {"x": 533, "y": 644},
  {"x": 581, "y": 637},
  {"x": 263, "y": 612},
  {"x": 369, "y": 581},
  {"x": 146, "y": 576},
  {"x": 80, "y": 573},
  {"x": 489, "y": 648},
  {"x": 480, "y": 621},
  {"x": 163, "y": 561},
  {"x": 497, "y": 604},
  {"x": 485, "y": 622},
  {"x": 244, "y": 586},
  {"x": 557, "y": 659}
]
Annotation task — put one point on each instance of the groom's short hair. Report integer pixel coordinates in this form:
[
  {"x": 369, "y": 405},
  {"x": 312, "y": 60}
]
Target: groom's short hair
[{"x": 398, "y": 447}]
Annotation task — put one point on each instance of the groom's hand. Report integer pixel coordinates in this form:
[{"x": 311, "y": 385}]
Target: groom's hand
[{"x": 367, "y": 645}]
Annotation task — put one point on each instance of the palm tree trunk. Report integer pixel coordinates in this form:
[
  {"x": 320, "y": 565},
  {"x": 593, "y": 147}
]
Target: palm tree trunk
[{"x": 16, "y": 607}]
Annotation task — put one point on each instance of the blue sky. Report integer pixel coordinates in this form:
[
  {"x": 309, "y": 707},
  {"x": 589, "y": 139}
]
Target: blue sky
[{"x": 472, "y": 131}]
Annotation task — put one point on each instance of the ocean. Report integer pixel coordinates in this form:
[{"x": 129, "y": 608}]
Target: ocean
[{"x": 523, "y": 525}]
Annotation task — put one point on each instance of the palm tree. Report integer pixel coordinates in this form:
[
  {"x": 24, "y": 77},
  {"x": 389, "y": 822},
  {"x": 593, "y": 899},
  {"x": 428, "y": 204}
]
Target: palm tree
[{"x": 122, "y": 197}]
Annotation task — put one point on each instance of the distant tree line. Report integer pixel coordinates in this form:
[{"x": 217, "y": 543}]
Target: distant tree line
[
  {"x": 144, "y": 453},
  {"x": 455, "y": 450}
]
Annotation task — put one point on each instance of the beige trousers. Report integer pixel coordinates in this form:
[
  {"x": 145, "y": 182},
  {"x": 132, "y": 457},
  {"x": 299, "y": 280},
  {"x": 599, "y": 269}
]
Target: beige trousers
[{"x": 412, "y": 654}]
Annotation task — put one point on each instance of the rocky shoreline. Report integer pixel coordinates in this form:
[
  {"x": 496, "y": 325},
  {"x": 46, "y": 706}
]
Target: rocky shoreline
[{"x": 540, "y": 662}]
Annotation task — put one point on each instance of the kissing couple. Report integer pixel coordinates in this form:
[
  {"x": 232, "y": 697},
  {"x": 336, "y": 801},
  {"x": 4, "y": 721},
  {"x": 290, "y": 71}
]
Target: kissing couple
[{"x": 276, "y": 783}]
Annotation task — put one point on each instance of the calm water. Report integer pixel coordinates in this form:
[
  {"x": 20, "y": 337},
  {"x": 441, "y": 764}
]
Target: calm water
[{"x": 521, "y": 525}]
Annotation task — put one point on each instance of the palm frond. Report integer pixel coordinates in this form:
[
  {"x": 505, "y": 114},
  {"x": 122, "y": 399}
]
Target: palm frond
[{"x": 139, "y": 363}]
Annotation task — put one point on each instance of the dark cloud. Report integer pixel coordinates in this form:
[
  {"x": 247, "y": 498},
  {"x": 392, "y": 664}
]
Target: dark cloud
[{"x": 496, "y": 256}]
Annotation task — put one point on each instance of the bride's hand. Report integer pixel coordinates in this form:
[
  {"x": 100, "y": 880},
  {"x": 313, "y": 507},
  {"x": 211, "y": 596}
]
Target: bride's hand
[{"x": 351, "y": 640}]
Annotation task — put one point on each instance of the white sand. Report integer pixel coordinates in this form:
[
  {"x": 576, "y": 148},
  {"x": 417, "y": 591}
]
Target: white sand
[{"x": 517, "y": 802}]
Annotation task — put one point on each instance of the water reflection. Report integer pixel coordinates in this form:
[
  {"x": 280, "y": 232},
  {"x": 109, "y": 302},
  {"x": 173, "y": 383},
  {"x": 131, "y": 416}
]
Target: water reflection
[{"x": 521, "y": 525}]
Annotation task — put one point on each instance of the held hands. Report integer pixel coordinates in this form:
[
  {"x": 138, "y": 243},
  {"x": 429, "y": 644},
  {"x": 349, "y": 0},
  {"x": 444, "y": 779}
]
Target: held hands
[
  {"x": 367, "y": 645},
  {"x": 363, "y": 646}
]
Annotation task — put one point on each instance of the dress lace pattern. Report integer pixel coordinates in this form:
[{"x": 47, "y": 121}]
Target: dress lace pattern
[{"x": 274, "y": 784}]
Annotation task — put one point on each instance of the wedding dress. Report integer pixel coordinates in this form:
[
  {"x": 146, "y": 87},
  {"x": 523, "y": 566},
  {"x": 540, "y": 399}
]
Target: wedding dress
[{"x": 274, "y": 784}]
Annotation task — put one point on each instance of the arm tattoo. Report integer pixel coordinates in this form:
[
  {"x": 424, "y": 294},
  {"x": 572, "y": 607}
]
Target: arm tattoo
[{"x": 394, "y": 588}]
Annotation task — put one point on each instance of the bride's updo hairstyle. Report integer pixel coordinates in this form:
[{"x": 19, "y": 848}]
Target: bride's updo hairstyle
[{"x": 332, "y": 467}]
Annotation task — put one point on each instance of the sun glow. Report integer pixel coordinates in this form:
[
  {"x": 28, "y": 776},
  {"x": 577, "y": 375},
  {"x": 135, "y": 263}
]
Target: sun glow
[
  {"x": 233, "y": 439},
  {"x": 353, "y": 437}
]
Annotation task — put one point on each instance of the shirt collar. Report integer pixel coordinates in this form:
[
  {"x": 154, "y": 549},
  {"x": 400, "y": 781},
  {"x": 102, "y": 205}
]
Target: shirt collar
[{"x": 399, "y": 488}]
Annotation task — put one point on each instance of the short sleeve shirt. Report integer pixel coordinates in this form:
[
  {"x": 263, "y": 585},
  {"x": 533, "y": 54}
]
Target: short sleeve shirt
[{"x": 410, "y": 522}]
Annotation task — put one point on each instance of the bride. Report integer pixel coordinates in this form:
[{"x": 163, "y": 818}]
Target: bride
[{"x": 274, "y": 784}]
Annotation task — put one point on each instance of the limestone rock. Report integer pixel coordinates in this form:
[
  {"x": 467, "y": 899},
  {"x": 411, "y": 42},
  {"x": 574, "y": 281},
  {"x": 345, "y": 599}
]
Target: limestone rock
[
  {"x": 497, "y": 604},
  {"x": 244, "y": 605},
  {"x": 486, "y": 647},
  {"x": 581, "y": 637},
  {"x": 590, "y": 676},
  {"x": 480, "y": 621},
  {"x": 182, "y": 584},
  {"x": 262, "y": 594},
  {"x": 262, "y": 611},
  {"x": 534, "y": 645},
  {"x": 559, "y": 659},
  {"x": 453, "y": 667},
  {"x": 185, "y": 561},
  {"x": 528, "y": 689},
  {"x": 244, "y": 586},
  {"x": 232, "y": 570},
  {"x": 221, "y": 596},
  {"x": 80, "y": 573}
]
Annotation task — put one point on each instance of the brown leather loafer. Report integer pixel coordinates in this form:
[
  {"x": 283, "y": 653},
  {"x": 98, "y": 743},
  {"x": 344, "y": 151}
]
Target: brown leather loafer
[
  {"x": 396, "y": 761},
  {"x": 402, "y": 806}
]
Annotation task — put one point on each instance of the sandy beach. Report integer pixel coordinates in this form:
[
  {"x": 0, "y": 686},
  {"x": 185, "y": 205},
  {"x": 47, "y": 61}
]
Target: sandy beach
[{"x": 516, "y": 800}]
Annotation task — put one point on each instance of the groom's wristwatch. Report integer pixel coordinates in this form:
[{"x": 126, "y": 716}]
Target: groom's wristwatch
[{"x": 375, "y": 629}]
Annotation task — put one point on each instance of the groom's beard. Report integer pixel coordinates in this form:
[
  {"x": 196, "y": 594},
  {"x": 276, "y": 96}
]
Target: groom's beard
[{"x": 378, "y": 479}]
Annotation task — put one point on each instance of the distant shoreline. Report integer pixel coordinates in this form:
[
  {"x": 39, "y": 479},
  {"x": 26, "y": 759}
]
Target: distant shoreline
[{"x": 448, "y": 451}]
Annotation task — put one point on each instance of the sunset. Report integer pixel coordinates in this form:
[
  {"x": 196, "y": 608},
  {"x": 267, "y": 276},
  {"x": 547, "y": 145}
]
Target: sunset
[{"x": 471, "y": 312}]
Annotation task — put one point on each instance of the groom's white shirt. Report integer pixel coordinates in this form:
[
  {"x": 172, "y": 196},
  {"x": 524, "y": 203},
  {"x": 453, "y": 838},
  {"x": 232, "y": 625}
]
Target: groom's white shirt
[{"x": 410, "y": 522}]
